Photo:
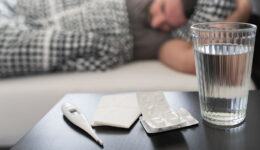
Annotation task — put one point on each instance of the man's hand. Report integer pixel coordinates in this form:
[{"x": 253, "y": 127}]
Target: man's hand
[
  {"x": 175, "y": 13},
  {"x": 242, "y": 12},
  {"x": 167, "y": 14}
]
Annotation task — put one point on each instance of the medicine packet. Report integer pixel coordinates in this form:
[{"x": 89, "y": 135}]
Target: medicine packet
[{"x": 158, "y": 116}]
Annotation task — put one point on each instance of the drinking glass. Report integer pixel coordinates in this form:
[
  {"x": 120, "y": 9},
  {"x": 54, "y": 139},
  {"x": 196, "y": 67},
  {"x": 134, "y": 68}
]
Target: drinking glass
[{"x": 223, "y": 56}]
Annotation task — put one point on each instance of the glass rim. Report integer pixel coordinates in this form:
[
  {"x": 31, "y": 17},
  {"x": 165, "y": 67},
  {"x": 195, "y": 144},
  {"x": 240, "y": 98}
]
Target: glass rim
[{"x": 197, "y": 27}]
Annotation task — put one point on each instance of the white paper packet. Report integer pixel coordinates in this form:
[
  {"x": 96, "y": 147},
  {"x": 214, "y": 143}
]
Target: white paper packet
[{"x": 117, "y": 111}]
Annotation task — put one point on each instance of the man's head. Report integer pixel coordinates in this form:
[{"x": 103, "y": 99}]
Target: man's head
[{"x": 166, "y": 14}]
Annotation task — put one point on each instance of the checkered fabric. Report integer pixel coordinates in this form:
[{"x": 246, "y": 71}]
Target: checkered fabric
[
  {"x": 205, "y": 11},
  {"x": 63, "y": 35}
]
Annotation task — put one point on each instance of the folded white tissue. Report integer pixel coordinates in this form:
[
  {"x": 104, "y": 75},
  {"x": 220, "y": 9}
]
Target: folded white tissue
[
  {"x": 157, "y": 116},
  {"x": 117, "y": 111}
]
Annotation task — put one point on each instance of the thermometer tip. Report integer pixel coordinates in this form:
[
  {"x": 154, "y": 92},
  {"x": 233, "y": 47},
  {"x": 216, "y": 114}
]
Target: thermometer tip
[{"x": 100, "y": 143}]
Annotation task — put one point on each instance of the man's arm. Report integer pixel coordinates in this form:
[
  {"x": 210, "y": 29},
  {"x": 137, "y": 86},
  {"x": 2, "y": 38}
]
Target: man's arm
[
  {"x": 242, "y": 12},
  {"x": 178, "y": 53}
]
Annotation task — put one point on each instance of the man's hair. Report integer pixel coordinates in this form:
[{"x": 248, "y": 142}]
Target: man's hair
[{"x": 146, "y": 12}]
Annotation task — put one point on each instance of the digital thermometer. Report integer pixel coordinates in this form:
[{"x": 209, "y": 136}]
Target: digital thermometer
[{"x": 77, "y": 118}]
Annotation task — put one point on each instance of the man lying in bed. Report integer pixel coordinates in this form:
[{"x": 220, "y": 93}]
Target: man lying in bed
[
  {"x": 177, "y": 53},
  {"x": 75, "y": 35}
]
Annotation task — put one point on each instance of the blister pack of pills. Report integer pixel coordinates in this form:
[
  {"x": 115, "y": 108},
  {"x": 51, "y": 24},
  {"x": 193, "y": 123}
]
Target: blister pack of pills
[{"x": 158, "y": 116}]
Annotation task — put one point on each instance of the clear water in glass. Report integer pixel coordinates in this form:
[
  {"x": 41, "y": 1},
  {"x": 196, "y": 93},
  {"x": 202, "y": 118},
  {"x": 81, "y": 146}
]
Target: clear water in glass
[{"x": 223, "y": 72}]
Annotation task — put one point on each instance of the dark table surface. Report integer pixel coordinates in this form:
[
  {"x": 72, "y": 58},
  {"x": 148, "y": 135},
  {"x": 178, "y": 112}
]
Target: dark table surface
[{"x": 54, "y": 132}]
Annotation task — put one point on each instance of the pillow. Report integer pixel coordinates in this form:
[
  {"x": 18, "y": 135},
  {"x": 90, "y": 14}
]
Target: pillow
[{"x": 147, "y": 41}]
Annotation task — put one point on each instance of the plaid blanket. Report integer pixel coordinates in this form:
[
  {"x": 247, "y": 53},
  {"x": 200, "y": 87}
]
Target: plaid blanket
[
  {"x": 63, "y": 35},
  {"x": 38, "y": 36},
  {"x": 205, "y": 11}
]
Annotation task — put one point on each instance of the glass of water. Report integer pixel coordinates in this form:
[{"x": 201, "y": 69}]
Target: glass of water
[{"x": 223, "y": 57}]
